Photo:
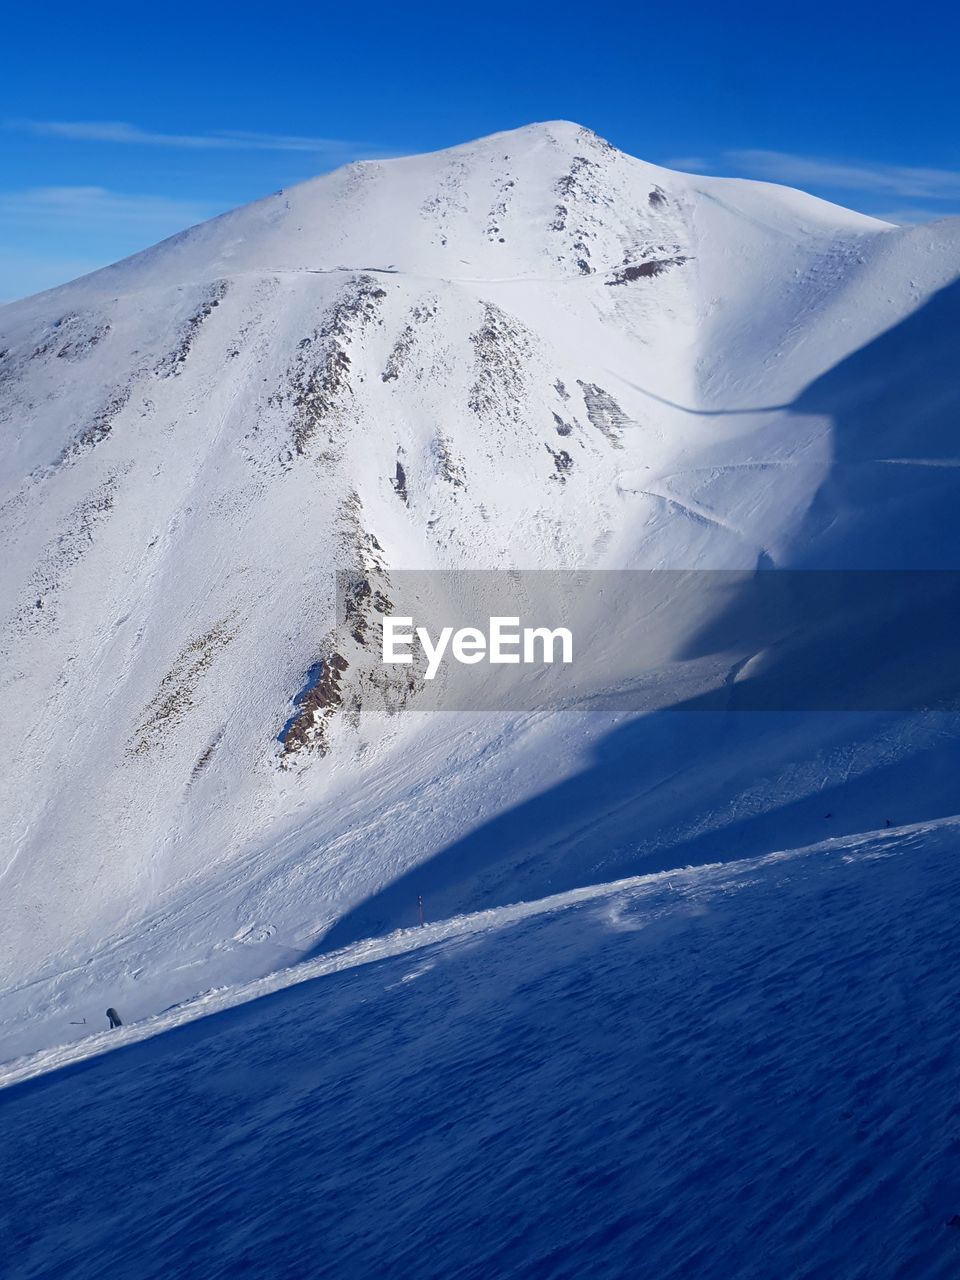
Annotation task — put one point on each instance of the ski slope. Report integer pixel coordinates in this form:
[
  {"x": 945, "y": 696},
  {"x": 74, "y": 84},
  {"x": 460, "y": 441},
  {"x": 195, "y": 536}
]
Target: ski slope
[{"x": 742, "y": 1070}]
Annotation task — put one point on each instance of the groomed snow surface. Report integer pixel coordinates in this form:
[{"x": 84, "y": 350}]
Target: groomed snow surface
[{"x": 732, "y": 1071}]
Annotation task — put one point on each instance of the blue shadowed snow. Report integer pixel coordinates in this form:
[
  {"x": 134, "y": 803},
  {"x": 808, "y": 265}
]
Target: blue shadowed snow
[{"x": 744, "y": 1071}]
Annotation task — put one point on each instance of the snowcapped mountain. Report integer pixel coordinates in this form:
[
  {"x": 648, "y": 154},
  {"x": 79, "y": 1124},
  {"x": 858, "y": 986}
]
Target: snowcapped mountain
[{"x": 532, "y": 351}]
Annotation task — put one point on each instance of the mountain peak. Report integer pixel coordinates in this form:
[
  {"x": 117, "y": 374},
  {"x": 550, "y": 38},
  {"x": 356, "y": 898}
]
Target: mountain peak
[
  {"x": 531, "y": 350},
  {"x": 548, "y": 199}
]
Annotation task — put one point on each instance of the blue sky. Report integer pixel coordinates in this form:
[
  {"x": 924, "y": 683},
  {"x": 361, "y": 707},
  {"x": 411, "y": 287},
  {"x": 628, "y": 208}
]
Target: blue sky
[{"x": 120, "y": 124}]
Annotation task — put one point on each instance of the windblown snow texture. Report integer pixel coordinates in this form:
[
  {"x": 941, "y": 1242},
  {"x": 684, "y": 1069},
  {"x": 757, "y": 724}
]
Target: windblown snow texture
[{"x": 740, "y": 1071}]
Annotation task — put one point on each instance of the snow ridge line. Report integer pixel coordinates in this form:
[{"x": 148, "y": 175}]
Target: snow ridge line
[{"x": 404, "y": 941}]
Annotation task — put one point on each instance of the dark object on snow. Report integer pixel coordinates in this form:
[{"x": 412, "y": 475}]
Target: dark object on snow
[
  {"x": 114, "y": 1018},
  {"x": 889, "y": 823},
  {"x": 954, "y": 1221}
]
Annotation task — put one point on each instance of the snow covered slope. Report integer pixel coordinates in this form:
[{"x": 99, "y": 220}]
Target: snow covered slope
[
  {"x": 532, "y": 351},
  {"x": 738, "y": 1071}
]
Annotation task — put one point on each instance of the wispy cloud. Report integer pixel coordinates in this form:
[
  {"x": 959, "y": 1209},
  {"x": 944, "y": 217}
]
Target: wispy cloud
[
  {"x": 118, "y": 131},
  {"x": 888, "y": 179},
  {"x": 86, "y": 207},
  {"x": 906, "y": 216},
  {"x": 52, "y": 234},
  {"x": 24, "y": 273},
  {"x": 902, "y": 181},
  {"x": 691, "y": 164}
]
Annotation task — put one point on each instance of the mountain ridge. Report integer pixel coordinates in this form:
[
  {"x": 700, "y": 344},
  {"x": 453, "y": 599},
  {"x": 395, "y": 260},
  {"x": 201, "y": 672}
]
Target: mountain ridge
[{"x": 558, "y": 139}]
